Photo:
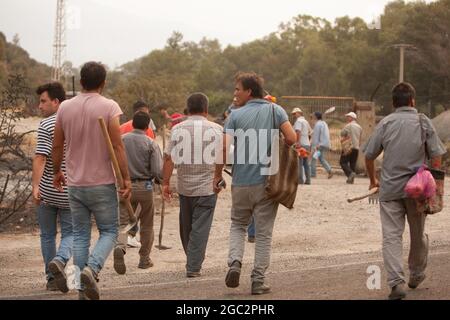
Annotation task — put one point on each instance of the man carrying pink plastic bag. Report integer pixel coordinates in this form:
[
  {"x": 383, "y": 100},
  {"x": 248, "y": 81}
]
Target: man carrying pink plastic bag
[{"x": 402, "y": 136}]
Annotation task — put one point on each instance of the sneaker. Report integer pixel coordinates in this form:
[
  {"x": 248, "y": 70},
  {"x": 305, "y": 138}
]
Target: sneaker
[
  {"x": 260, "y": 288},
  {"x": 193, "y": 274},
  {"x": 119, "y": 261},
  {"x": 330, "y": 174},
  {"x": 51, "y": 285},
  {"x": 145, "y": 263},
  {"x": 398, "y": 292},
  {"x": 133, "y": 243},
  {"x": 251, "y": 239},
  {"x": 233, "y": 275},
  {"x": 89, "y": 280},
  {"x": 56, "y": 267},
  {"x": 415, "y": 281}
]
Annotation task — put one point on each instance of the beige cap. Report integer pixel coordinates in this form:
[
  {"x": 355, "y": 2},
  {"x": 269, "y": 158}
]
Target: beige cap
[
  {"x": 352, "y": 115},
  {"x": 297, "y": 110}
]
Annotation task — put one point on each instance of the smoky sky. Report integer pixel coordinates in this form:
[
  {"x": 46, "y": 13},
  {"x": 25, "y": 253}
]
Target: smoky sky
[{"x": 119, "y": 31}]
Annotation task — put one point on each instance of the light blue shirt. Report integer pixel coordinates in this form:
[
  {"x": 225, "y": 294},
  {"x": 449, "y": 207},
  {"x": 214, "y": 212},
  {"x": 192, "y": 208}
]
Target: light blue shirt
[
  {"x": 321, "y": 135},
  {"x": 255, "y": 115}
]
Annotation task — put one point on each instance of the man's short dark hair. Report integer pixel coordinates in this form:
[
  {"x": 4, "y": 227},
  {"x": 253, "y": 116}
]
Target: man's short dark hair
[
  {"x": 318, "y": 115},
  {"x": 139, "y": 105},
  {"x": 251, "y": 81},
  {"x": 54, "y": 90},
  {"x": 402, "y": 94},
  {"x": 197, "y": 103},
  {"x": 141, "y": 120},
  {"x": 93, "y": 75}
]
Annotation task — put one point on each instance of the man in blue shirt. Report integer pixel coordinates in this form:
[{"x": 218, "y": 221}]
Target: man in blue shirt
[
  {"x": 320, "y": 145},
  {"x": 252, "y": 127}
]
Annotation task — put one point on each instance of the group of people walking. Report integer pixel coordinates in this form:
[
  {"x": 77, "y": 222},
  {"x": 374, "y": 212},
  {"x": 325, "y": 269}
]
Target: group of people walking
[{"x": 73, "y": 178}]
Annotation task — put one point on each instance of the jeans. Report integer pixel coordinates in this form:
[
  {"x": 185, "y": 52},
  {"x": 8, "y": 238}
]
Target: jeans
[
  {"x": 323, "y": 161},
  {"x": 251, "y": 231},
  {"x": 348, "y": 162},
  {"x": 102, "y": 202},
  {"x": 196, "y": 216},
  {"x": 303, "y": 165},
  {"x": 47, "y": 216}
]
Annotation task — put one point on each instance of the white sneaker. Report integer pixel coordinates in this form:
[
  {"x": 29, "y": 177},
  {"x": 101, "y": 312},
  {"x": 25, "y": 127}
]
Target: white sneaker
[{"x": 133, "y": 243}]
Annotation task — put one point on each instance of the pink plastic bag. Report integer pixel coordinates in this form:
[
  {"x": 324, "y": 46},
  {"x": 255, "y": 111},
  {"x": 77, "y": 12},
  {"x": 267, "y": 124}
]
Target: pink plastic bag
[{"x": 421, "y": 185}]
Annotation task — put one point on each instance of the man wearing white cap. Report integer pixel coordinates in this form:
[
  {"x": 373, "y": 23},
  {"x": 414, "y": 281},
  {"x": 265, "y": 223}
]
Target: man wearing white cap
[
  {"x": 303, "y": 130},
  {"x": 350, "y": 140}
]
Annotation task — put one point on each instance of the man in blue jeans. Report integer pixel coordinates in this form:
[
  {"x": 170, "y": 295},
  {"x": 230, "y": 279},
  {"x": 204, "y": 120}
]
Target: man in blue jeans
[
  {"x": 51, "y": 203},
  {"x": 90, "y": 177},
  {"x": 320, "y": 145}
]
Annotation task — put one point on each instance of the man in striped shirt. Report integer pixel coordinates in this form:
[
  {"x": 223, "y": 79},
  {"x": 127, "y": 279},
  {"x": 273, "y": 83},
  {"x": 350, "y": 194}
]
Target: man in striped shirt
[{"x": 50, "y": 201}]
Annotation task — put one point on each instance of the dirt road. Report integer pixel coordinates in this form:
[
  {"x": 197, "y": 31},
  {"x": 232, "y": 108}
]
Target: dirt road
[{"x": 321, "y": 250}]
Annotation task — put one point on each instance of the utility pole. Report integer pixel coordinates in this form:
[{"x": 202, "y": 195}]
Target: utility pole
[
  {"x": 59, "y": 45},
  {"x": 402, "y": 48}
]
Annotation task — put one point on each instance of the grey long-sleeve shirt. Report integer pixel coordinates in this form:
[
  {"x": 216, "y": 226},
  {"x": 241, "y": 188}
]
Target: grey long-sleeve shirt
[{"x": 144, "y": 156}]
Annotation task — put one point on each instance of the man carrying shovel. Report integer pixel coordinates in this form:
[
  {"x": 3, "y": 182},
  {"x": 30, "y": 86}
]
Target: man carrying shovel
[{"x": 145, "y": 166}]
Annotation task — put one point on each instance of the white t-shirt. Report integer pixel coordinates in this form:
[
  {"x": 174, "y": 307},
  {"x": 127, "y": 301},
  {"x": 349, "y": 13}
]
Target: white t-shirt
[{"x": 303, "y": 126}]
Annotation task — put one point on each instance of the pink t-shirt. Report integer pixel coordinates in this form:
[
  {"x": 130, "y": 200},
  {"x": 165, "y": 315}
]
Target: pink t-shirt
[{"x": 87, "y": 158}]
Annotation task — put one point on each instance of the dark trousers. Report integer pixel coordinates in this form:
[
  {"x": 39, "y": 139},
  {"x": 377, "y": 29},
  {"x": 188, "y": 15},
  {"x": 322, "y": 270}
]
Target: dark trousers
[
  {"x": 348, "y": 162},
  {"x": 196, "y": 216}
]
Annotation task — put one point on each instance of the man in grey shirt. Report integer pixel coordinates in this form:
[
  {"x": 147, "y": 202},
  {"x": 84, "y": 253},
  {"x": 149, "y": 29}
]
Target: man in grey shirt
[
  {"x": 145, "y": 166},
  {"x": 399, "y": 135}
]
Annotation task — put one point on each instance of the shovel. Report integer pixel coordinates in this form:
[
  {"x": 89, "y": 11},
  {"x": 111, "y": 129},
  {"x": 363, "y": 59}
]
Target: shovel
[
  {"x": 160, "y": 246},
  {"x": 112, "y": 155}
]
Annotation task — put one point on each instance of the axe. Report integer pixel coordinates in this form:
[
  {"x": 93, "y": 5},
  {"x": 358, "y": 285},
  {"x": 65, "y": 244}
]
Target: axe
[{"x": 112, "y": 155}]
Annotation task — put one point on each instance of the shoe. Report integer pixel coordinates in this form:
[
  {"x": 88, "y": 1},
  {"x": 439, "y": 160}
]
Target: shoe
[
  {"x": 260, "y": 288},
  {"x": 82, "y": 295},
  {"x": 51, "y": 285},
  {"x": 233, "y": 275},
  {"x": 89, "y": 280},
  {"x": 133, "y": 243},
  {"x": 398, "y": 292},
  {"x": 119, "y": 261},
  {"x": 145, "y": 263},
  {"x": 56, "y": 267},
  {"x": 251, "y": 239},
  {"x": 308, "y": 182},
  {"x": 415, "y": 281},
  {"x": 351, "y": 178},
  {"x": 330, "y": 174},
  {"x": 193, "y": 274}
]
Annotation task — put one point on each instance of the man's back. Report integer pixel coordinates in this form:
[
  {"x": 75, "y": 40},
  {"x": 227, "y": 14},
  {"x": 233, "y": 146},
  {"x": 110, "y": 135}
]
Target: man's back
[
  {"x": 255, "y": 116},
  {"x": 303, "y": 126},
  {"x": 87, "y": 158},
  {"x": 399, "y": 135},
  {"x": 195, "y": 178},
  {"x": 321, "y": 134},
  {"x": 143, "y": 155}
]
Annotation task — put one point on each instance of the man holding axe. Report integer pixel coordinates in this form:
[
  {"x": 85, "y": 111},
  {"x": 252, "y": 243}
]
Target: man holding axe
[{"x": 90, "y": 177}]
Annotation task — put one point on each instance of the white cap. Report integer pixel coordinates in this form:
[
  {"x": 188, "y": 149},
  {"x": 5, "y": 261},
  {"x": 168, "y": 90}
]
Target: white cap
[
  {"x": 352, "y": 115},
  {"x": 297, "y": 110}
]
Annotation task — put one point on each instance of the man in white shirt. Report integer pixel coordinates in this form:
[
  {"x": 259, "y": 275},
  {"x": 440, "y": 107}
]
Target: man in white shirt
[{"x": 303, "y": 131}]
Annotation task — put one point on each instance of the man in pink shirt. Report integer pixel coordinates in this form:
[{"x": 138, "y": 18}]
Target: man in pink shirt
[{"x": 90, "y": 177}]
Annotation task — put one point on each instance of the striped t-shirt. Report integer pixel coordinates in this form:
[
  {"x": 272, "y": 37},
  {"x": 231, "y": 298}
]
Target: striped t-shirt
[{"x": 49, "y": 195}]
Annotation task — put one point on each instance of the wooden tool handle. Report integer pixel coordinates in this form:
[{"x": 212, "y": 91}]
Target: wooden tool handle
[
  {"x": 371, "y": 193},
  {"x": 116, "y": 167}
]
